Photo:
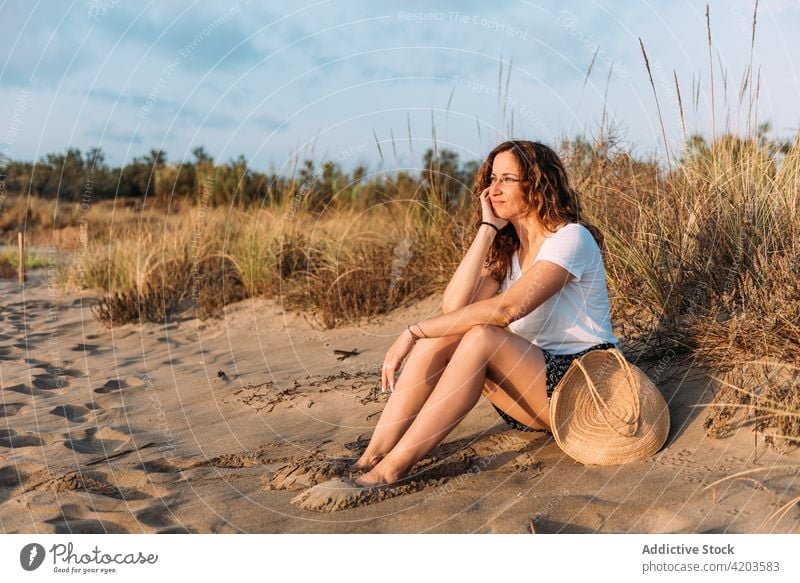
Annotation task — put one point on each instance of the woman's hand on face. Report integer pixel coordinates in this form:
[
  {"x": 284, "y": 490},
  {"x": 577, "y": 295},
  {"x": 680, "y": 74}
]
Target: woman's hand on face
[
  {"x": 394, "y": 359},
  {"x": 488, "y": 211}
]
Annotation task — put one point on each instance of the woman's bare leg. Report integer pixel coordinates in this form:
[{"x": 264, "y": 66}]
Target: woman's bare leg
[
  {"x": 484, "y": 348},
  {"x": 422, "y": 369}
]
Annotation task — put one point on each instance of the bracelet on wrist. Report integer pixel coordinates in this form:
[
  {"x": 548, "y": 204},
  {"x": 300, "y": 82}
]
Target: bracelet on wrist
[
  {"x": 415, "y": 336},
  {"x": 495, "y": 227}
]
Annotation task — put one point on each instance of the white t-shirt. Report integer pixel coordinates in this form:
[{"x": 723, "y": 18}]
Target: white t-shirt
[{"x": 578, "y": 316}]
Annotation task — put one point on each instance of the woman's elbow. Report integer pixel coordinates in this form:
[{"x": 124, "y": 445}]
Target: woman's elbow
[{"x": 505, "y": 315}]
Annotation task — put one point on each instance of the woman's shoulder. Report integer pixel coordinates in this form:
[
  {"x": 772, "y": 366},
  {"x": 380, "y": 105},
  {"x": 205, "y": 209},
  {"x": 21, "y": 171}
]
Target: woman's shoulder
[
  {"x": 574, "y": 236},
  {"x": 572, "y": 231},
  {"x": 573, "y": 226}
]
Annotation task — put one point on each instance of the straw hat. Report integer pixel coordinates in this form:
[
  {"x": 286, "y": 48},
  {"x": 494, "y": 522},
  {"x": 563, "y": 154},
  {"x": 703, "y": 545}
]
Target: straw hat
[{"x": 605, "y": 411}]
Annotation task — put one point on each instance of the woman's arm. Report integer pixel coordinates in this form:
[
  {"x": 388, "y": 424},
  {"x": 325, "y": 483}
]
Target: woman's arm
[
  {"x": 470, "y": 282},
  {"x": 535, "y": 286},
  {"x": 531, "y": 290}
]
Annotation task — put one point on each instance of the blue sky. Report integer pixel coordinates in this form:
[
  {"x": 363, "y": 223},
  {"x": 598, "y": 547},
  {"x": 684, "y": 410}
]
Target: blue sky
[{"x": 323, "y": 79}]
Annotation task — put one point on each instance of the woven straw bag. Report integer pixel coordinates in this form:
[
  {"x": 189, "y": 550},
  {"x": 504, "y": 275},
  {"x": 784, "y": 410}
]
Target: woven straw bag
[{"x": 606, "y": 411}]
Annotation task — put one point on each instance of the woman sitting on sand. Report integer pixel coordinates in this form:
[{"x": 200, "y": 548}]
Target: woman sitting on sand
[{"x": 529, "y": 296}]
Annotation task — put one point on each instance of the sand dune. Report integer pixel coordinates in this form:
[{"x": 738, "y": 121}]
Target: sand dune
[{"x": 234, "y": 424}]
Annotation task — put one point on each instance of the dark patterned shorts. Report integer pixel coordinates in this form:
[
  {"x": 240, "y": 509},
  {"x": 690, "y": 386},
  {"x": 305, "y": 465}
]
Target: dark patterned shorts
[{"x": 556, "y": 366}]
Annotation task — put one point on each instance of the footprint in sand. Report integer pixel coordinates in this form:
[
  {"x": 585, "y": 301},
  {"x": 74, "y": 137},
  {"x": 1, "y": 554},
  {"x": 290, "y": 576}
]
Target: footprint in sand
[
  {"x": 49, "y": 382},
  {"x": 55, "y": 371},
  {"x": 14, "y": 439},
  {"x": 158, "y": 515},
  {"x": 26, "y": 390},
  {"x": 36, "y": 363},
  {"x": 75, "y": 413},
  {"x": 171, "y": 341},
  {"x": 15, "y": 478},
  {"x": 172, "y": 362},
  {"x": 90, "y": 348},
  {"x": 138, "y": 480},
  {"x": 112, "y": 386},
  {"x": 135, "y": 484},
  {"x": 36, "y": 337},
  {"x": 105, "y": 441},
  {"x": 10, "y": 409},
  {"x": 158, "y": 466},
  {"x": 12, "y": 477},
  {"x": 64, "y": 524}
]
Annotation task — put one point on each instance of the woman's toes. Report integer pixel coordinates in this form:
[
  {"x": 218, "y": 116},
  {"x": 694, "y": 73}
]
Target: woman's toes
[
  {"x": 369, "y": 479},
  {"x": 366, "y": 464},
  {"x": 373, "y": 478}
]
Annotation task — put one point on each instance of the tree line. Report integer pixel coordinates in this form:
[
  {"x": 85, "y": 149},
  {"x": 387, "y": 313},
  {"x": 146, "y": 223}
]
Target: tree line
[{"x": 74, "y": 176}]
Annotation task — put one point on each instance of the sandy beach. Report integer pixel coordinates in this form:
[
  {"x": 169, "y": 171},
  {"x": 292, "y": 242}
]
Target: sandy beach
[{"x": 217, "y": 426}]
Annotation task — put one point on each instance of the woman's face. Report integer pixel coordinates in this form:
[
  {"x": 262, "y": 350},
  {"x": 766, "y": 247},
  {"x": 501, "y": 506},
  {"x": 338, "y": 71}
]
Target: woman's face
[{"x": 505, "y": 192}]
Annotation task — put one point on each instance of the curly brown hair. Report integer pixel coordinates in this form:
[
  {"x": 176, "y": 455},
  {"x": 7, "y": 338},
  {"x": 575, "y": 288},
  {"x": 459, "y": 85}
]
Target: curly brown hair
[{"x": 546, "y": 192}]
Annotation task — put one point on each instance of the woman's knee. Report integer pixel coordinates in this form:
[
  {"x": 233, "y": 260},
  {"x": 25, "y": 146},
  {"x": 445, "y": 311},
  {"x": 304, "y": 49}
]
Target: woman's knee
[
  {"x": 482, "y": 335},
  {"x": 436, "y": 350}
]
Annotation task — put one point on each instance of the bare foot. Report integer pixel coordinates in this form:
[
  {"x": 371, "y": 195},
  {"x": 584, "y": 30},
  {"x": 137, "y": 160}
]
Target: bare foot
[
  {"x": 377, "y": 477},
  {"x": 366, "y": 463}
]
